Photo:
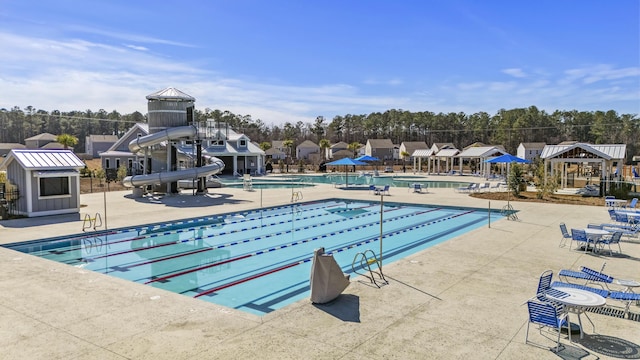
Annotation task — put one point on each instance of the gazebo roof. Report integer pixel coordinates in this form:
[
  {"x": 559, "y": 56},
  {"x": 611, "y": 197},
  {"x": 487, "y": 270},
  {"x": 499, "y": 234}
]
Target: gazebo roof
[
  {"x": 447, "y": 153},
  {"x": 584, "y": 150},
  {"x": 422, "y": 153},
  {"x": 481, "y": 152}
]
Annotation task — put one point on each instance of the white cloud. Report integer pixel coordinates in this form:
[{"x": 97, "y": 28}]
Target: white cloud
[
  {"x": 75, "y": 74},
  {"x": 515, "y": 72},
  {"x": 135, "y": 47}
]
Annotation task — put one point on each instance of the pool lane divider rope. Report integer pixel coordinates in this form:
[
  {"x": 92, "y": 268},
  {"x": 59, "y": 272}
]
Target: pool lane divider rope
[
  {"x": 154, "y": 235},
  {"x": 267, "y": 250},
  {"x": 226, "y": 216},
  {"x": 222, "y": 233},
  {"x": 302, "y": 261},
  {"x": 208, "y": 219},
  {"x": 303, "y": 241}
]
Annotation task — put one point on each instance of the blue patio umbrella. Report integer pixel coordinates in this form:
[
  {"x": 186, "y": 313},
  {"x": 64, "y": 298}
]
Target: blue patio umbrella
[
  {"x": 346, "y": 162},
  {"x": 507, "y": 159},
  {"x": 367, "y": 158}
]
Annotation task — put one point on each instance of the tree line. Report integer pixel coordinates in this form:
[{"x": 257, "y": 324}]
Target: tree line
[{"x": 506, "y": 127}]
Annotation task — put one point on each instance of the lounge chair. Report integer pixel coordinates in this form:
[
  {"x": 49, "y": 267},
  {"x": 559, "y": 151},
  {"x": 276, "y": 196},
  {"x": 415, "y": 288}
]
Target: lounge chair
[
  {"x": 417, "y": 188},
  {"x": 587, "y": 274},
  {"x": 589, "y": 190},
  {"x": 565, "y": 235},
  {"x": 629, "y": 230},
  {"x": 382, "y": 191},
  {"x": 484, "y": 187},
  {"x": 632, "y": 204},
  {"x": 625, "y": 296},
  {"x": 547, "y": 315},
  {"x": 372, "y": 188},
  {"x": 465, "y": 188}
]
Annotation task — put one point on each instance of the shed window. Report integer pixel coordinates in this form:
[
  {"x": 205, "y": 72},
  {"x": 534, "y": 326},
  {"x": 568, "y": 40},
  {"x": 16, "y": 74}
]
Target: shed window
[{"x": 54, "y": 186}]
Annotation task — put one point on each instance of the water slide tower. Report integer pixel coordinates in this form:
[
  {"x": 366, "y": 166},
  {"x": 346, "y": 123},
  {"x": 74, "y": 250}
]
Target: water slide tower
[{"x": 168, "y": 108}]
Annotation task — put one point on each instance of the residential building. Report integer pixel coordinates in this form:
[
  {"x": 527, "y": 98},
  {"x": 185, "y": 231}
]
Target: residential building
[
  {"x": 40, "y": 140},
  {"x": 530, "y": 151},
  {"x": 379, "y": 148},
  {"x": 95, "y": 144}
]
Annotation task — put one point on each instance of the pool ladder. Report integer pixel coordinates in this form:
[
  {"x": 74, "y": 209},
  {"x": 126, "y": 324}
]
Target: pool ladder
[
  {"x": 364, "y": 260},
  {"x": 91, "y": 222},
  {"x": 247, "y": 183},
  {"x": 509, "y": 212},
  {"x": 296, "y": 196}
]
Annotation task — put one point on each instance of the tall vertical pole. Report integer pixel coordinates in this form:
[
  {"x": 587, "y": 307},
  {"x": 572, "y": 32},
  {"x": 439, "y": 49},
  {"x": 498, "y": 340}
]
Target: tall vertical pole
[
  {"x": 104, "y": 192},
  {"x": 381, "y": 207}
]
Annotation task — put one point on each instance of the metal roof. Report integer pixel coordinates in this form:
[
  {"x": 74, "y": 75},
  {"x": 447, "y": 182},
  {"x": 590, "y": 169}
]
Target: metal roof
[
  {"x": 44, "y": 159},
  {"x": 605, "y": 151},
  {"x": 447, "y": 153},
  {"x": 422, "y": 153},
  {"x": 170, "y": 94},
  {"x": 481, "y": 152}
]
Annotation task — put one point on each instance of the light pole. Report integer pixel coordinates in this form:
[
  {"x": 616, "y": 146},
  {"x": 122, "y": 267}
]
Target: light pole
[{"x": 381, "y": 212}]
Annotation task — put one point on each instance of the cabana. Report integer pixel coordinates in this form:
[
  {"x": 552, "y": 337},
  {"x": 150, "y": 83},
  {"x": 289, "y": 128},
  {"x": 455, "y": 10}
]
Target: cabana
[
  {"x": 481, "y": 154},
  {"x": 446, "y": 155},
  {"x": 420, "y": 154},
  {"x": 556, "y": 157}
]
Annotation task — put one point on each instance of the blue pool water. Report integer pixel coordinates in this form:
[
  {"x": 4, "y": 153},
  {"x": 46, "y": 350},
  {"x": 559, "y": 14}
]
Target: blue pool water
[
  {"x": 358, "y": 179},
  {"x": 270, "y": 184},
  {"x": 257, "y": 261}
]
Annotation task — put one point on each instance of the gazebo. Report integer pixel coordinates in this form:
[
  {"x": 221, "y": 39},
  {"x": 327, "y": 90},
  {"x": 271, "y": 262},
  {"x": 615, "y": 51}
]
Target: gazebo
[
  {"x": 481, "y": 153},
  {"x": 420, "y": 154},
  {"x": 556, "y": 157}
]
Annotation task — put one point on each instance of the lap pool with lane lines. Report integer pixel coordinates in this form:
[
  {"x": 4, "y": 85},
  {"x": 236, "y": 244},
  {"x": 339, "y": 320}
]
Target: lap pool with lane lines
[{"x": 259, "y": 260}]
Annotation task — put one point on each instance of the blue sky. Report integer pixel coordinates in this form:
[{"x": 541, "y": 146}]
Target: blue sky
[{"x": 282, "y": 61}]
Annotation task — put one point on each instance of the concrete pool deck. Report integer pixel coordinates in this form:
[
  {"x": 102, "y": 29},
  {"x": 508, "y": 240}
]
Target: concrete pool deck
[{"x": 461, "y": 299}]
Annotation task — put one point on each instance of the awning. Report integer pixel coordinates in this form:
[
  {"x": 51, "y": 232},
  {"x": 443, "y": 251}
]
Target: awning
[{"x": 55, "y": 173}]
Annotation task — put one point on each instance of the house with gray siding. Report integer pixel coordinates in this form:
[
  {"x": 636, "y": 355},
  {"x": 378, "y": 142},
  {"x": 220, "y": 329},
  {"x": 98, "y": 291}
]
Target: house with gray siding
[
  {"x": 96, "y": 144},
  {"x": 40, "y": 140},
  {"x": 380, "y": 148},
  {"x": 5, "y": 148},
  {"x": 119, "y": 154}
]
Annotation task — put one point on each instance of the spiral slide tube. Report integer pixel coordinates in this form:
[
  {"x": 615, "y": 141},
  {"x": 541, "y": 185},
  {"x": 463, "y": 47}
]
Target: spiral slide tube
[{"x": 215, "y": 165}]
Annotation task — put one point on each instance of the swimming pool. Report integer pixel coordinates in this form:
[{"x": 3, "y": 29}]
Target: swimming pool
[
  {"x": 366, "y": 179},
  {"x": 269, "y": 184},
  {"x": 257, "y": 261}
]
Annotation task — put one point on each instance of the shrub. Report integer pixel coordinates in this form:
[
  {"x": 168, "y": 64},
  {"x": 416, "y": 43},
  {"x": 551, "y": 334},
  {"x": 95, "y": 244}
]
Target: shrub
[{"x": 515, "y": 179}]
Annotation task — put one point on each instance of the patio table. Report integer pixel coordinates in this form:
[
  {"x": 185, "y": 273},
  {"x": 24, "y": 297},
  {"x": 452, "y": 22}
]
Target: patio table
[
  {"x": 576, "y": 301},
  {"x": 615, "y": 202},
  {"x": 594, "y": 235}
]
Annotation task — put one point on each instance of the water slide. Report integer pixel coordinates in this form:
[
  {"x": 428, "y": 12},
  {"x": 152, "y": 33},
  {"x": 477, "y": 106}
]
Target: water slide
[{"x": 214, "y": 165}]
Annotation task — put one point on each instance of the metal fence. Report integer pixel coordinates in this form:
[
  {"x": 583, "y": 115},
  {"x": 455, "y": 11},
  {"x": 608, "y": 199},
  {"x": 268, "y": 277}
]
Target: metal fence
[{"x": 8, "y": 202}]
